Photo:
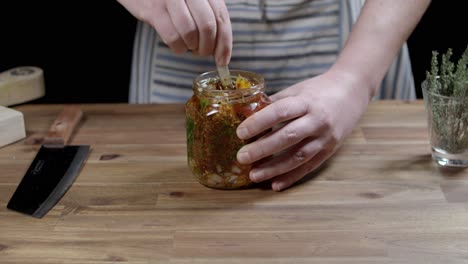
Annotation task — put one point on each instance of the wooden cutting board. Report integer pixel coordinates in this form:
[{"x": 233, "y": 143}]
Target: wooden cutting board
[{"x": 12, "y": 126}]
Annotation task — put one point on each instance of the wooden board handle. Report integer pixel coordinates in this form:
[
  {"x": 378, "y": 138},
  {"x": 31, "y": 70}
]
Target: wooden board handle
[{"x": 63, "y": 126}]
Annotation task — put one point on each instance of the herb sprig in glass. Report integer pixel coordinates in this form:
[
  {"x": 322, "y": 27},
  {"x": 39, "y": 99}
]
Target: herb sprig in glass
[{"x": 446, "y": 92}]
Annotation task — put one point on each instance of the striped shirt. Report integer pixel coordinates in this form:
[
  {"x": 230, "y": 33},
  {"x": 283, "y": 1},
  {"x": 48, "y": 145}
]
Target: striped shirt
[{"x": 286, "y": 41}]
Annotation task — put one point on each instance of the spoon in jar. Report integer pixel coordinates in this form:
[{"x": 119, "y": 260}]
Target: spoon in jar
[{"x": 225, "y": 76}]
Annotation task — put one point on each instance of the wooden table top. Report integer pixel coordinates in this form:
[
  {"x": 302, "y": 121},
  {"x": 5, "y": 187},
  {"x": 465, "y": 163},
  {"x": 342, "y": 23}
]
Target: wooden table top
[{"x": 380, "y": 199}]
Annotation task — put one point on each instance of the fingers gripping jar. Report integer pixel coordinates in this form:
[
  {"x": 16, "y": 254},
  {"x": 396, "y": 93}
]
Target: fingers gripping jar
[{"x": 212, "y": 116}]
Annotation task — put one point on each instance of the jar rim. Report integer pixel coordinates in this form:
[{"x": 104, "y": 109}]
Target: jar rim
[{"x": 257, "y": 86}]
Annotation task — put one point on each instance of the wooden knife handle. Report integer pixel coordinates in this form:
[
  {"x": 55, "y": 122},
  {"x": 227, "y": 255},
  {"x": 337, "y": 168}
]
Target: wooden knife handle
[{"x": 63, "y": 126}]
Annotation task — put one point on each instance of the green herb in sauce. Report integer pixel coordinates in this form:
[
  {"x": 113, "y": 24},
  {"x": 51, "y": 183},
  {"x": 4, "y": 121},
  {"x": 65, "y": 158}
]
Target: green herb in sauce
[
  {"x": 204, "y": 103},
  {"x": 189, "y": 126}
]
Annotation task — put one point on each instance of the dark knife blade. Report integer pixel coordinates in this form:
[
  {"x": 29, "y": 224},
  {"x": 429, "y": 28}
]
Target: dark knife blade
[
  {"x": 48, "y": 178},
  {"x": 53, "y": 170}
]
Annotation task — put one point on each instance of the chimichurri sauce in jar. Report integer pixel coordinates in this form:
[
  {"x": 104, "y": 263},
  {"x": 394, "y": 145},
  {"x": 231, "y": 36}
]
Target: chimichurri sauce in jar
[{"x": 212, "y": 116}]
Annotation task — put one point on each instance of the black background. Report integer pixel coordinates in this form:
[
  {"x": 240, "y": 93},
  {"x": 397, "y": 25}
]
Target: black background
[
  {"x": 85, "y": 47},
  {"x": 443, "y": 26}
]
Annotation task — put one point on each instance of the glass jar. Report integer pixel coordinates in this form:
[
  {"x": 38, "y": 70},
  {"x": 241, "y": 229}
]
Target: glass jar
[
  {"x": 447, "y": 120},
  {"x": 212, "y": 117}
]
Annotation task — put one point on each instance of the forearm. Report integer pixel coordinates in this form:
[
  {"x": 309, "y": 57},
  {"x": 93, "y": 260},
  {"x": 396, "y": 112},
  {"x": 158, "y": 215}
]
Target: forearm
[{"x": 376, "y": 37}]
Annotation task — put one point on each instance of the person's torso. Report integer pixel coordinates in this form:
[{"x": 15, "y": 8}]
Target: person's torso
[{"x": 287, "y": 41}]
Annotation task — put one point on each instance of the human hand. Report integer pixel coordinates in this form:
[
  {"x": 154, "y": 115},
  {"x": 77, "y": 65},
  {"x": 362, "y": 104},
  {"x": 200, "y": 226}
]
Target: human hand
[
  {"x": 202, "y": 26},
  {"x": 314, "y": 117}
]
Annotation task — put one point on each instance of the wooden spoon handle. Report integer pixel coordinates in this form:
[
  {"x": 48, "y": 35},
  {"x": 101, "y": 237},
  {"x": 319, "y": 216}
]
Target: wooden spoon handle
[
  {"x": 225, "y": 76},
  {"x": 63, "y": 126}
]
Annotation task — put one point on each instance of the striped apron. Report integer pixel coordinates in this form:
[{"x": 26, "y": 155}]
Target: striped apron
[{"x": 287, "y": 41}]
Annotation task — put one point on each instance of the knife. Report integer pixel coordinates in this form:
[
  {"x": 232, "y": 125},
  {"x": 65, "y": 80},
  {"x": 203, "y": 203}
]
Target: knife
[{"x": 54, "y": 168}]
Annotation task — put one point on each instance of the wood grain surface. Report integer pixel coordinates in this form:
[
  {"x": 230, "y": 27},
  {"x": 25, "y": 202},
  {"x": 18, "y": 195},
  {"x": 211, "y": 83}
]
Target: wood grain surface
[{"x": 380, "y": 199}]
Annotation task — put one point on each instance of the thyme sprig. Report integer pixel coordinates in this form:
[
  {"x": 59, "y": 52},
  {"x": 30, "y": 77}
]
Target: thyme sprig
[
  {"x": 447, "y": 101},
  {"x": 447, "y": 79}
]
